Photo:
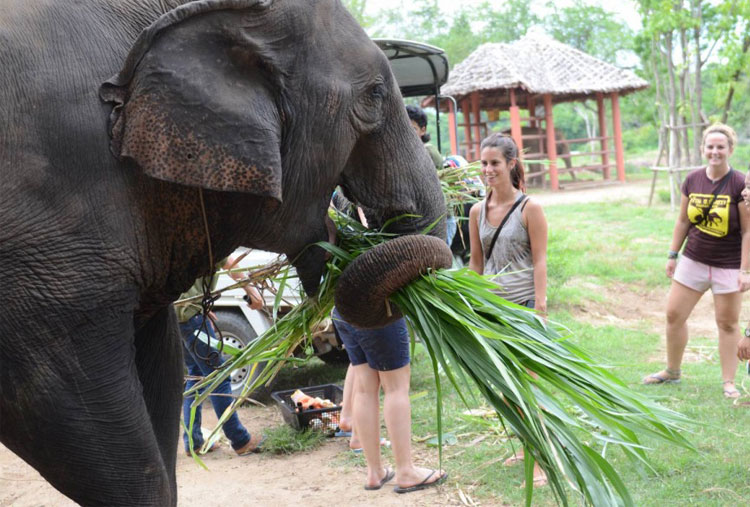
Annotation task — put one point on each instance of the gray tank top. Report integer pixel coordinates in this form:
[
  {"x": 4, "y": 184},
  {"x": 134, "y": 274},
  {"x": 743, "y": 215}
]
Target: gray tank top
[{"x": 511, "y": 256}]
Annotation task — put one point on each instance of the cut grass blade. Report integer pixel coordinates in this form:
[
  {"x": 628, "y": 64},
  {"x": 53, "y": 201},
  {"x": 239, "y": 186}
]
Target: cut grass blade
[{"x": 496, "y": 343}]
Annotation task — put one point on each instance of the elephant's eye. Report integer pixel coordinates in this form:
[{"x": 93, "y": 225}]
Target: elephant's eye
[{"x": 377, "y": 91}]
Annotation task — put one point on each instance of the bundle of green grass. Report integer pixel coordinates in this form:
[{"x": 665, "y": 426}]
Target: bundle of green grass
[{"x": 477, "y": 339}]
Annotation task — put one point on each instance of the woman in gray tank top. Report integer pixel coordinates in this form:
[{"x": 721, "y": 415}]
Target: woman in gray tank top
[
  {"x": 518, "y": 257},
  {"x": 519, "y": 254}
]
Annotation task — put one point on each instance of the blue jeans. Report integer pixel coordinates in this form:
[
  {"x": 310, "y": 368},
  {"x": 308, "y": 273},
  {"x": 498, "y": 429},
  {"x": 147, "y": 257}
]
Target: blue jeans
[
  {"x": 450, "y": 228},
  {"x": 198, "y": 366}
]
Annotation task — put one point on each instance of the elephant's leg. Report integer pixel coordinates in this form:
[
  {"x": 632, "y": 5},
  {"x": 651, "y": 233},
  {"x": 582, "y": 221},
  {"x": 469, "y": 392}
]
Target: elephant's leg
[
  {"x": 160, "y": 368},
  {"x": 71, "y": 405}
]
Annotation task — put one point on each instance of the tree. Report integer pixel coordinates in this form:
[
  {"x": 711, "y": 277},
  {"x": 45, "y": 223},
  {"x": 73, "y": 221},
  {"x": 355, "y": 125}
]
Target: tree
[
  {"x": 459, "y": 41},
  {"x": 735, "y": 50},
  {"x": 592, "y": 30},
  {"x": 510, "y": 22},
  {"x": 357, "y": 9},
  {"x": 422, "y": 21},
  {"x": 683, "y": 36}
]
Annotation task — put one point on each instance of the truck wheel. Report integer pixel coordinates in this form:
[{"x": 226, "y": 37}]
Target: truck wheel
[{"x": 237, "y": 332}]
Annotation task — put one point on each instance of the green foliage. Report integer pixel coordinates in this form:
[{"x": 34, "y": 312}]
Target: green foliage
[
  {"x": 570, "y": 122},
  {"x": 590, "y": 29},
  {"x": 507, "y": 21},
  {"x": 640, "y": 138},
  {"x": 686, "y": 37},
  {"x": 357, "y": 9},
  {"x": 479, "y": 340},
  {"x": 629, "y": 249},
  {"x": 460, "y": 40},
  {"x": 285, "y": 440},
  {"x": 723, "y": 26}
]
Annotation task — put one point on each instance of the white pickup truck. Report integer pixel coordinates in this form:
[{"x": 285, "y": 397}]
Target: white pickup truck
[{"x": 240, "y": 325}]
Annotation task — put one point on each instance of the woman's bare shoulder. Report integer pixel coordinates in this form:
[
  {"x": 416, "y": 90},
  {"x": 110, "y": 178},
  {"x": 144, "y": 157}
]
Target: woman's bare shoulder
[
  {"x": 532, "y": 204},
  {"x": 476, "y": 207}
]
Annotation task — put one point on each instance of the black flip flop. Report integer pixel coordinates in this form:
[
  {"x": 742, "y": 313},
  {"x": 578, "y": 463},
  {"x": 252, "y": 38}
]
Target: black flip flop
[
  {"x": 389, "y": 474},
  {"x": 424, "y": 484}
]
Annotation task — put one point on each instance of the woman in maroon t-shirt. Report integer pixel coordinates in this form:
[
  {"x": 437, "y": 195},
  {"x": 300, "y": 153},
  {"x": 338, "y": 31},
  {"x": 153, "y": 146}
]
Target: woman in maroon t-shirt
[{"x": 717, "y": 228}]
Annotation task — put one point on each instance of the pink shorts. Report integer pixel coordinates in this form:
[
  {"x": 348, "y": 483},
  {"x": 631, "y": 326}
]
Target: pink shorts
[{"x": 701, "y": 277}]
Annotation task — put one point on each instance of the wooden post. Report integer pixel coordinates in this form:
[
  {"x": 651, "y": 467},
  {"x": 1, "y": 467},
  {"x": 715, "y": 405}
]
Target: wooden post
[
  {"x": 531, "y": 106},
  {"x": 477, "y": 131},
  {"x": 554, "y": 182},
  {"x": 617, "y": 132},
  {"x": 515, "y": 121},
  {"x": 467, "y": 130},
  {"x": 603, "y": 134},
  {"x": 452, "y": 128}
]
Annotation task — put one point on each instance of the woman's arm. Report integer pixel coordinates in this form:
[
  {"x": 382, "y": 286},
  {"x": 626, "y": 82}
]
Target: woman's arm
[
  {"x": 744, "y": 278},
  {"x": 476, "y": 258},
  {"x": 536, "y": 224},
  {"x": 681, "y": 227},
  {"x": 254, "y": 299}
]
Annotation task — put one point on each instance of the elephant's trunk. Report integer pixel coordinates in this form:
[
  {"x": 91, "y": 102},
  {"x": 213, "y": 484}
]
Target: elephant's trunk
[{"x": 364, "y": 286}]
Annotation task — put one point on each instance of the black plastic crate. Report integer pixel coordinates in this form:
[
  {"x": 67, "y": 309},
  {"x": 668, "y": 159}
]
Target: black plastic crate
[{"x": 325, "y": 419}]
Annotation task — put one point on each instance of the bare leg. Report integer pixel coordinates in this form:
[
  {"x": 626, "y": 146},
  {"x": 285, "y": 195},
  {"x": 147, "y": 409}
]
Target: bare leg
[
  {"x": 367, "y": 420},
  {"x": 727, "y": 320},
  {"x": 397, "y": 413},
  {"x": 540, "y": 478},
  {"x": 680, "y": 304},
  {"x": 346, "y": 420}
]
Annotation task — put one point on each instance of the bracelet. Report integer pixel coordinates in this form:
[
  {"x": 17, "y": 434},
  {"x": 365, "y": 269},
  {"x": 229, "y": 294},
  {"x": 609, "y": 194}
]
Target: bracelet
[
  {"x": 672, "y": 254},
  {"x": 745, "y": 271}
]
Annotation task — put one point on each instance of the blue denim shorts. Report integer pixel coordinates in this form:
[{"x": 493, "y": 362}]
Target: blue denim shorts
[{"x": 383, "y": 349}]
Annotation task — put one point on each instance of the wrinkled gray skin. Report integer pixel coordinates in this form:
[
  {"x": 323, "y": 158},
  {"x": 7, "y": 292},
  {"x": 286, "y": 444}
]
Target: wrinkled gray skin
[{"x": 266, "y": 105}]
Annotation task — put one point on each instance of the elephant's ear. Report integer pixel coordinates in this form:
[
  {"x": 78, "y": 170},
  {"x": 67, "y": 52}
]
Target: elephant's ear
[{"x": 195, "y": 105}]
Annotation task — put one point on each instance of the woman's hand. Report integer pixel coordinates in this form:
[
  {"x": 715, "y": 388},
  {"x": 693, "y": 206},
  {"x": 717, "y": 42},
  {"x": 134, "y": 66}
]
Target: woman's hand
[
  {"x": 743, "y": 349},
  {"x": 541, "y": 308},
  {"x": 671, "y": 264},
  {"x": 254, "y": 299},
  {"x": 744, "y": 281}
]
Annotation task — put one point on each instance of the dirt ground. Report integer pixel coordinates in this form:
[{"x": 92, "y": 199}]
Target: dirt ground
[
  {"x": 326, "y": 476},
  {"x": 319, "y": 478}
]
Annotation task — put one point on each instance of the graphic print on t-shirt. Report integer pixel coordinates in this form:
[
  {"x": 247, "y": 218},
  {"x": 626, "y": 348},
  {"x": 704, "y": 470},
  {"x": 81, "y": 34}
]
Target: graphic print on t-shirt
[{"x": 717, "y": 222}]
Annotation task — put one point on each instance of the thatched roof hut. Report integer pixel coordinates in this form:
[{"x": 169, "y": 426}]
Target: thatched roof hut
[
  {"x": 536, "y": 65},
  {"x": 534, "y": 70}
]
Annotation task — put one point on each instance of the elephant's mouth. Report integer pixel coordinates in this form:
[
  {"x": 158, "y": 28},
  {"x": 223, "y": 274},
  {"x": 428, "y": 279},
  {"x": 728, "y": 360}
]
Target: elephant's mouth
[{"x": 364, "y": 286}]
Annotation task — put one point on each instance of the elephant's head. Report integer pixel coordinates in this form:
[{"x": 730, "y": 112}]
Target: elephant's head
[{"x": 280, "y": 100}]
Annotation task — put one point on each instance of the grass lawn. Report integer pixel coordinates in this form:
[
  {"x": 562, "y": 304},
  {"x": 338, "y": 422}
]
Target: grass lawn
[{"x": 598, "y": 253}]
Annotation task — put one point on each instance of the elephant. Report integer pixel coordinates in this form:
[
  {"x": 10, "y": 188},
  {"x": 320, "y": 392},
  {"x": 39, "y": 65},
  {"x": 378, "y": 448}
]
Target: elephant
[
  {"x": 538, "y": 145},
  {"x": 143, "y": 140}
]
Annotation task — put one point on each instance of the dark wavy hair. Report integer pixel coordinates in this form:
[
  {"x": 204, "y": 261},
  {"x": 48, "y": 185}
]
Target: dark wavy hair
[
  {"x": 508, "y": 148},
  {"x": 418, "y": 116}
]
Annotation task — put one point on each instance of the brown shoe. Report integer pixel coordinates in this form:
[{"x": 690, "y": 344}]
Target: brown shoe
[{"x": 254, "y": 445}]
